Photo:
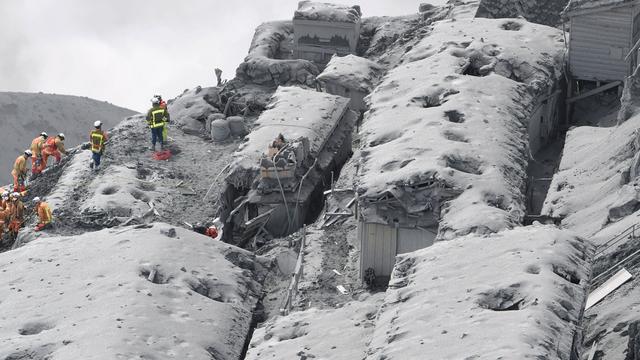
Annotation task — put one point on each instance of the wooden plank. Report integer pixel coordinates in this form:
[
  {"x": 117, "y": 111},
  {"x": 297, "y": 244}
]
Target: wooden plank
[
  {"x": 594, "y": 91},
  {"x": 608, "y": 287},
  {"x": 634, "y": 48}
]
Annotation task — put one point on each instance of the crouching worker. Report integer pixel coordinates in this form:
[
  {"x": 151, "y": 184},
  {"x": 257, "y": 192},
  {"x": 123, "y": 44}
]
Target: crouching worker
[
  {"x": 54, "y": 146},
  {"x": 97, "y": 137},
  {"x": 44, "y": 214}
]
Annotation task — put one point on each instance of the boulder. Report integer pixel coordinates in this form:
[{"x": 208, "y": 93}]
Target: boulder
[{"x": 192, "y": 126}]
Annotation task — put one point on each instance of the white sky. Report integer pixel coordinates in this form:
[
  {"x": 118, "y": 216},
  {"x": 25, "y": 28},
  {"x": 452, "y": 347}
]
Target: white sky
[{"x": 124, "y": 51}]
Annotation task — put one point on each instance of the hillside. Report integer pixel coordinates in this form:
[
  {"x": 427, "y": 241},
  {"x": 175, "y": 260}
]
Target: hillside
[
  {"x": 418, "y": 242},
  {"x": 24, "y": 115}
]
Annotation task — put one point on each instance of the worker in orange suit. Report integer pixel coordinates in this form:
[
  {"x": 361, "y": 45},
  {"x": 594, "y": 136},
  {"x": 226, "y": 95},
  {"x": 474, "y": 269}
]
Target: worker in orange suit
[
  {"x": 36, "y": 149},
  {"x": 19, "y": 171},
  {"x": 4, "y": 213},
  {"x": 54, "y": 146},
  {"x": 15, "y": 214},
  {"x": 44, "y": 214}
]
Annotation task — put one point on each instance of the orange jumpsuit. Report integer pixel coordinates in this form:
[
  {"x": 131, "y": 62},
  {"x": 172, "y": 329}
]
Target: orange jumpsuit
[
  {"x": 44, "y": 214},
  {"x": 54, "y": 146},
  {"x": 16, "y": 216},
  {"x": 36, "y": 149},
  {"x": 19, "y": 173}
]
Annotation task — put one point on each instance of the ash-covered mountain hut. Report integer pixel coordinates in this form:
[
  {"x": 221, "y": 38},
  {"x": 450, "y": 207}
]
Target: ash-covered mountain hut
[
  {"x": 321, "y": 30},
  {"x": 276, "y": 188},
  {"x": 603, "y": 33}
]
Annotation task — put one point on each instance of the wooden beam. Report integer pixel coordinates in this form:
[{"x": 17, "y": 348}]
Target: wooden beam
[
  {"x": 634, "y": 48},
  {"x": 594, "y": 91}
]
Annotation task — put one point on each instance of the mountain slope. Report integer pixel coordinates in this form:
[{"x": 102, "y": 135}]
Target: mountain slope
[{"x": 24, "y": 115}]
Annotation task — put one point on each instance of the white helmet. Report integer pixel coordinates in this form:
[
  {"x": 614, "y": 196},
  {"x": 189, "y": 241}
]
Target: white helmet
[
  {"x": 5, "y": 195},
  {"x": 97, "y": 124},
  {"x": 15, "y": 195},
  {"x": 155, "y": 101},
  {"x": 61, "y": 136},
  {"x": 44, "y": 135},
  {"x": 28, "y": 152},
  {"x": 36, "y": 199}
]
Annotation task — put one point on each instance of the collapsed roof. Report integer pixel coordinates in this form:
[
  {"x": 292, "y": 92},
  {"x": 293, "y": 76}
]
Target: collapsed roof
[
  {"x": 455, "y": 113},
  {"x": 352, "y": 72},
  {"x": 311, "y": 10},
  {"x": 293, "y": 112}
]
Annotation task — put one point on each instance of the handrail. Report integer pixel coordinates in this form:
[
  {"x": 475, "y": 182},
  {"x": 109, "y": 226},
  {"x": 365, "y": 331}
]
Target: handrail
[{"x": 631, "y": 230}]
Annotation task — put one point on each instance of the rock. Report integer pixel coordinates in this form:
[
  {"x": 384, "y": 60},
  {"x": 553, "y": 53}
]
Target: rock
[
  {"x": 626, "y": 204},
  {"x": 192, "y": 126},
  {"x": 424, "y": 7},
  {"x": 633, "y": 347},
  {"x": 237, "y": 126},
  {"x": 171, "y": 232},
  {"x": 220, "y": 130}
]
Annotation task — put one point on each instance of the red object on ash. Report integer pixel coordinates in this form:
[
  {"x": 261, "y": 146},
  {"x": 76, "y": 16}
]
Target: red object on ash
[
  {"x": 162, "y": 155},
  {"x": 212, "y": 232}
]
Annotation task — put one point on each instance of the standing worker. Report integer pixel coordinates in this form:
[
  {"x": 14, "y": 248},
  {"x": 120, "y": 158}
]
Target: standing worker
[
  {"x": 98, "y": 139},
  {"x": 36, "y": 149},
  {"x": 44, "y": 214},
  {"x": 156, "y": 118},
  {"x": 54, "y": 146},
  {"x": 165, "y": 129},
  {"x": 19, "y": 171}
]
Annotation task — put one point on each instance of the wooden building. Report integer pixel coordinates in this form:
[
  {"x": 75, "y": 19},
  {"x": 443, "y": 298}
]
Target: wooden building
[
  {"x": 602, "y": 34},
  {"x": 322, "y": 30}
]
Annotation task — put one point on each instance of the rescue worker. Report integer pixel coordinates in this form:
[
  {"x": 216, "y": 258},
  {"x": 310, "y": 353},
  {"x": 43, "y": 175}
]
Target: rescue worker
[
  {"x": 36, "y": 149},
  {"x": 4, "y": 201},
  {"x": 44, "y": 214},
  {"x": 19, "y": 171},
  {"x": 165, "y": 129},
  {"x": 54, "y": 146},
  {"x": 15, "y": 214},
  {"x": 97, "y": 137},
  {"x": 4, "y": 213},
  {"x": 156, "y": 119}
]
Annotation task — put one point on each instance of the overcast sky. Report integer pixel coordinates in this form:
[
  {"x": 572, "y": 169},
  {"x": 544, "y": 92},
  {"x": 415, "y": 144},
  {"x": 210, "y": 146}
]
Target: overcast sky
[{"x": 124, "y": 51}]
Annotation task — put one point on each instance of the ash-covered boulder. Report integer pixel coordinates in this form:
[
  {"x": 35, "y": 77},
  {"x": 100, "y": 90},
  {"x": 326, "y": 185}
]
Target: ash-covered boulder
[
  {"x": 191, "y": 109},
  {"x": 267, "y": 64},
  {"x": 546, "y": 12}
]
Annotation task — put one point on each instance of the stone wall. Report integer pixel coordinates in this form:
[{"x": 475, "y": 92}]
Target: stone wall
[{"x": 546, "y": 12}]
